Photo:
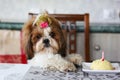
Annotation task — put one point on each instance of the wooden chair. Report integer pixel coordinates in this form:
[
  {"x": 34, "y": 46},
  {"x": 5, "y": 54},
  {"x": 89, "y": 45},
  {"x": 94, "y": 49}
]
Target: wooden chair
[{"x": 68, "y": 22}]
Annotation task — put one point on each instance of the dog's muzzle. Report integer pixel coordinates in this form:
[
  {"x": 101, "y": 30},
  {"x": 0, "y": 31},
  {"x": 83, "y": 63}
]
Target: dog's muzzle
[{"x": 46, "y": 42}]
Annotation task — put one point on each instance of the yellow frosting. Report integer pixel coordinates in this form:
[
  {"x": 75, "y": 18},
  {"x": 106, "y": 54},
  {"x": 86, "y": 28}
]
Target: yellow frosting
[{"x": 101, "y": 65}]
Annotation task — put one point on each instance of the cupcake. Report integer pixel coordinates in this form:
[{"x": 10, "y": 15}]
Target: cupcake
[{"x": 101, "y": 64}]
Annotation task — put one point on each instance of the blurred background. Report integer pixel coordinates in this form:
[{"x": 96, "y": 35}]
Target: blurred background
[
  {"x": 100, "y": 10},
  {"x": 104, "y": 23}
]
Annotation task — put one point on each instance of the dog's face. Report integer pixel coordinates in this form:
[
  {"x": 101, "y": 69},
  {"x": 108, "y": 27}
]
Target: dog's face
[{"x": 43, "y": 34}]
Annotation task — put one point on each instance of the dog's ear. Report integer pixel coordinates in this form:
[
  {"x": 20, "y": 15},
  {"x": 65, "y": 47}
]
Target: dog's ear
[
  {"x": 26, "y": 38},
  {"x": 62, "y": 51},
  {"x": 63, "y": 47},
  {"x": 29, "y": 48}
]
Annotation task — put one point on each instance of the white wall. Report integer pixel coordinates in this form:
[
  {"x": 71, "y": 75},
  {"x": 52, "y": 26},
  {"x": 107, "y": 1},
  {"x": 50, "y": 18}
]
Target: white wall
[
  {"x": 108, "y": 42},
  {"x": 100, "y": 10}
]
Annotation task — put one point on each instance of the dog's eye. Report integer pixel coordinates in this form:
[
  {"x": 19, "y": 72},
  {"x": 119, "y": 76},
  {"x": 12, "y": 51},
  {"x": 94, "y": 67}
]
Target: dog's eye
[
  {"x": 52, "y": 34},
  {"x": 38, "y": 36}
]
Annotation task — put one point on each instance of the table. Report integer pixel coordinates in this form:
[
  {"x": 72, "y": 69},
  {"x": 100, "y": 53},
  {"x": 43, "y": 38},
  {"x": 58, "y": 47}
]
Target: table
[
  {"x": 13, "y": 71},
  {"x": 27, "y": 72}
]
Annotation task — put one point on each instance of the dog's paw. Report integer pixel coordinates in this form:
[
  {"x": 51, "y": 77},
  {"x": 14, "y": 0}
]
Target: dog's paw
[
  {"x": 75, "y": 58},
  {"x": 66, "y": 66},
  {"x": 51, "y": 68},
  {"x": 70, "y": 67}
]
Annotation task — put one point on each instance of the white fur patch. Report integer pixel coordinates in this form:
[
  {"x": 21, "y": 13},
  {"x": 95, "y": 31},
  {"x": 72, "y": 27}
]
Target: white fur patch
[
  {"x": 47, "y": 32},
  {"x": 41, "y": 59},
  {"x": 54, "y": 61}
]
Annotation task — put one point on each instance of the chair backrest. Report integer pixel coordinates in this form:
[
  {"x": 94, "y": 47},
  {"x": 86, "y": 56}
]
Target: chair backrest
[{"x": 68, "y": 22}]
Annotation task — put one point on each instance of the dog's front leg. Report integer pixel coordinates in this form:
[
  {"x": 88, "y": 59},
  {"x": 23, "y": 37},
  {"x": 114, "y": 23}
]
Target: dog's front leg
[
  {"x": 61, "y": 64},
  {"x": 55, "y": 62},
  {"x": 74, "y": 58}
]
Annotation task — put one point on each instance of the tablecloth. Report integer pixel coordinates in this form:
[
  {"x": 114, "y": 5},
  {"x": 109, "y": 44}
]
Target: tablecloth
[
  {"x": 36, "y": 73},
  {"x": 27, "y": 72}
]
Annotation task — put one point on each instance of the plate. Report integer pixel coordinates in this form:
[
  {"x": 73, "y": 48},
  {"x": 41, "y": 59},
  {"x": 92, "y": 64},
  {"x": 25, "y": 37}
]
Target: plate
[{"x": 86, "y": 68}]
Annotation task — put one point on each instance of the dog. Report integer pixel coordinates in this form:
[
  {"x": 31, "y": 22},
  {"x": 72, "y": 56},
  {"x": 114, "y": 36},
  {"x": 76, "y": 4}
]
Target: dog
[{"x": 45, "y": 45}]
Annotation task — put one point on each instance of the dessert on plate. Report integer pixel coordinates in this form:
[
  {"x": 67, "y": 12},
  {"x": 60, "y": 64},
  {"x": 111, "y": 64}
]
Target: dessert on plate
[{"x": 101, "y": 64}]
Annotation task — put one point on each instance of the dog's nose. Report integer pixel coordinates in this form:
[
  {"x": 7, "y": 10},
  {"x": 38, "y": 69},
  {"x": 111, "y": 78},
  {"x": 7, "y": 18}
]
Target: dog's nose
[{"x": 46, "y": 42}]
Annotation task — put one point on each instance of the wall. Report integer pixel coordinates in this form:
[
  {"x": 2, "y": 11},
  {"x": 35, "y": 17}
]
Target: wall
[
  {"x": 100, "y": 10},
  {"x": 109, "y": 43}
]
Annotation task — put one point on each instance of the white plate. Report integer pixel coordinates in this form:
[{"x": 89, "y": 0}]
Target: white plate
[{"x": 86, "y": 68}]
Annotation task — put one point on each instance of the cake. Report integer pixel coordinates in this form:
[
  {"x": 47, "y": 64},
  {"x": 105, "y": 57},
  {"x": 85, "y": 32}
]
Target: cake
[{"x": 100, "y": 64}]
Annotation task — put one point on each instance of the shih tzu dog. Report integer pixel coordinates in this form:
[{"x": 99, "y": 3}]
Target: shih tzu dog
[{"x": 44, "y": 43}]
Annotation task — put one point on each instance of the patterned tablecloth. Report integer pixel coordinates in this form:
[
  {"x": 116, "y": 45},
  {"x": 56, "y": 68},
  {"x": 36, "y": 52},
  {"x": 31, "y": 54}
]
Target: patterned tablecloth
[
  {"x": 27, "y": 72},
  {"x": 35, "y": 73}
]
